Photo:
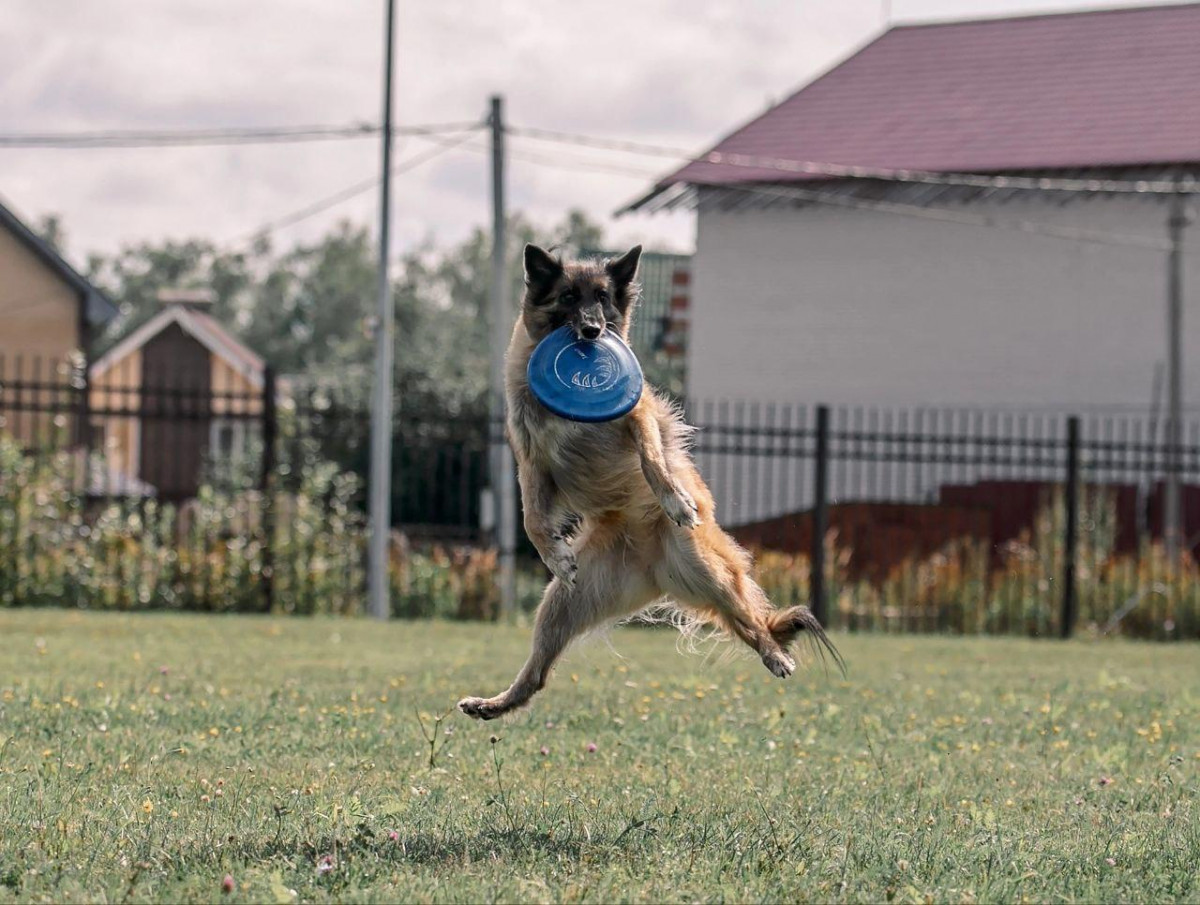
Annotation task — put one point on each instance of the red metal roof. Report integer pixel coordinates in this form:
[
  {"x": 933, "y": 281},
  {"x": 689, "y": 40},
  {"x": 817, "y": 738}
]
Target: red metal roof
[{"x": 1072, "y": 90}]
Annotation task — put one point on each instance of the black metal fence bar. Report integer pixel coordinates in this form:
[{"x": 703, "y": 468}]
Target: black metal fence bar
[{"x": 1070, "y": 604}]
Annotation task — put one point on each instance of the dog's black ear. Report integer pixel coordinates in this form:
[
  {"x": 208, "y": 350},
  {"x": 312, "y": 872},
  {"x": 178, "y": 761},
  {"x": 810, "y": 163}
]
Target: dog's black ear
[
  {"x": 624, "y": 269},
  {"x": 541, "y": 269}
]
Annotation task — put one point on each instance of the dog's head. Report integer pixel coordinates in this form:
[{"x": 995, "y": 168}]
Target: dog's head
[{"x": 588, "y": 296}]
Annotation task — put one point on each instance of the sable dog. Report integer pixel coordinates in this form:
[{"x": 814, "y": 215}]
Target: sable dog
[{"x": 642, "y": 519}]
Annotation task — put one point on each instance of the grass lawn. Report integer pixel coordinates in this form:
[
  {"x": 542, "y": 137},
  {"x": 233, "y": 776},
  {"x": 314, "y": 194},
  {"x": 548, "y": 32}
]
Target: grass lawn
[{"x": 146, "y": 757}]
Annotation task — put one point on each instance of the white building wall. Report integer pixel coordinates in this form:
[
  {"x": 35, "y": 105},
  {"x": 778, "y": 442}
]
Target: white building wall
[
  {"x": 823, "y": 304},
  {"x": 869, "y": 308}
]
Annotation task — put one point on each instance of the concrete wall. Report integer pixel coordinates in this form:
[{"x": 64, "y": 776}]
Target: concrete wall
[
  {"x": 835, "y": 305},
  {"x": 869, "y": 308}
]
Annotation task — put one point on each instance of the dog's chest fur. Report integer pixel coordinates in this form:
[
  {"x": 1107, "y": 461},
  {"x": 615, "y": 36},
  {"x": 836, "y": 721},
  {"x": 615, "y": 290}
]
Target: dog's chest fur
[{"x": 594, "y": 466}]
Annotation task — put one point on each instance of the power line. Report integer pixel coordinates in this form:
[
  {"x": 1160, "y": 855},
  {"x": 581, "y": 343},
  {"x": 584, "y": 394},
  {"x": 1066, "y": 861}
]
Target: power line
[
  {"x": 583, "y": 165},
  {"x": 607, "y": 144},
  {"x": 353, "y": 191},
  {"x": 1032, "y": 227},
  {"x": 1095, "y": 237},
  {"x": 574, "y": 163},
  {"x": 1187, "y": 184},
  {"x": 562, "y": 163},
  {"x": 220, "y": 136}
]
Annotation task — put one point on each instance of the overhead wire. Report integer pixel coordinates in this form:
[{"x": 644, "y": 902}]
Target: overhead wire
[
  {"x": 816, "y": 196},
  {"x": 217, "y": 136},
  {"x": 1184, "y": 184},
  {"x": 321, "y": 205}
]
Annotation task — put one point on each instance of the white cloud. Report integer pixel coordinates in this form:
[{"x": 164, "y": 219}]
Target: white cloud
[{"x": 682, "y": 72}]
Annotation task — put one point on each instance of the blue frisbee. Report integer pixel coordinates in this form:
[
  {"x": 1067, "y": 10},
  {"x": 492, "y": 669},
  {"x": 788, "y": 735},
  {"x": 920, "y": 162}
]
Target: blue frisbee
[{"x": 583, "y": 379}]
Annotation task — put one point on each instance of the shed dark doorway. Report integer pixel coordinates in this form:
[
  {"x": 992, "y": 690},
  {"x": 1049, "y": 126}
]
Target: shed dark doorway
[{"x": 176, "y": 406}]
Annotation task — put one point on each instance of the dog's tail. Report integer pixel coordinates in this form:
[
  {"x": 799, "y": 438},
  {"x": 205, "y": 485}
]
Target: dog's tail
[{"x": 787, "y": 624}]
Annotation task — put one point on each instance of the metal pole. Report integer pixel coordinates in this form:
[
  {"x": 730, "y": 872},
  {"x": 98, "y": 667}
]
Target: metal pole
[
  {"x": 1176, "y": 223},
  {"x": 381, "y": 403},
  {"x": 1071, "y": 542},
  {"x": 503, "y": 490},
  {"x": 820, "y": 519},
  {"x": 269, "y": 426}
]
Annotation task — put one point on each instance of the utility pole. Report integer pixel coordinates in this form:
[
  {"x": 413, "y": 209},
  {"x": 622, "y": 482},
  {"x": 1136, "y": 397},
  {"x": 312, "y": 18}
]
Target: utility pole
[
  {"x": 381, "y": 403},
  {"x": 1177, "y": 221},
  {"x": 503, "y": 491}
]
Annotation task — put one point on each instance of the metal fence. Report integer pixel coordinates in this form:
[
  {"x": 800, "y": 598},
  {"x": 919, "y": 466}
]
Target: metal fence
[
  {"x": 122, "y": 494},
  {"x": 960, "y": 520},
  {"x": 883, "y": 519}
]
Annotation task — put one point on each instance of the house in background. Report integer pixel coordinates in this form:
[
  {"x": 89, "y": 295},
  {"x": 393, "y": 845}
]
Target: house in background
[
  {"x": 892, "y": 294},
  {"x": 192, "y": 393},
  {"x": 808, "y": 288},
  {"x": 660, "y": 324},
  {"x": 48, "y": 313}
]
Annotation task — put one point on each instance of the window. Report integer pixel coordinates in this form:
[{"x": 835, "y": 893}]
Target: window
[{"x": 230, "y": 440}]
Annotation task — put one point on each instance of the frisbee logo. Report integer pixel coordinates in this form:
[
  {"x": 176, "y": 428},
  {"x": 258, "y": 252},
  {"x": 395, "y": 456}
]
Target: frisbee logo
[
  {"x": 587, "y": 367},
  {"x": 584, "y": 380}
]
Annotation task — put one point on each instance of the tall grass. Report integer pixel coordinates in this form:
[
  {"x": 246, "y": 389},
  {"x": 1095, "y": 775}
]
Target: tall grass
[
  {"x": 211, "y": 554},
  {"x": 967, "y": 587},
  {"x": 58, "y": 547}
]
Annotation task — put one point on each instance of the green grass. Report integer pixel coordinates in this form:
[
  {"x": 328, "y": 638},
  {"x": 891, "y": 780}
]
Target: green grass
[{"x": 144, "y": 757}]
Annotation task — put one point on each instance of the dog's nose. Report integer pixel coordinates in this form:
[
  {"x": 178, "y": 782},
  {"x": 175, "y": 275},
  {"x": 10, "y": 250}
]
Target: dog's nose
[{"x": 590, "y": 331}]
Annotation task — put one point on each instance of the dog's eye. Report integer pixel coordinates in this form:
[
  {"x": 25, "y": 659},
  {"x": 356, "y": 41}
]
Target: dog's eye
[
  {"x": 568, "y": 296},
  {"x": 602, "y": 296}
]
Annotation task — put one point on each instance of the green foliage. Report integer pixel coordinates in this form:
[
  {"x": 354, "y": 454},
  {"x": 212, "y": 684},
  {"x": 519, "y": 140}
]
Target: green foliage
[
  {"x": 146, "y": 757},
  {"x": 210, "y": 554},
  {"x": 310, "y": 310},
  {"x": 968, "y": 588},
  {"x": 56, "y": 547},
  {"x": 134, "y": 276},
  {"x": 49, "y": 228}
]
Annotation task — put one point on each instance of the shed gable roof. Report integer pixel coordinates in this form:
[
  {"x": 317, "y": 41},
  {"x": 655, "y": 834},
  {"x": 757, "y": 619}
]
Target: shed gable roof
[{"x": 203, "y": 327}]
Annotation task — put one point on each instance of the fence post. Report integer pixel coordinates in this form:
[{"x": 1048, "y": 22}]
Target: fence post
[
  {"x": 820, "y": 520},
  {"x": 83, "y": 388},
  {"x": 1071, "y": 541},
  {"x": 266, "y": 488}
]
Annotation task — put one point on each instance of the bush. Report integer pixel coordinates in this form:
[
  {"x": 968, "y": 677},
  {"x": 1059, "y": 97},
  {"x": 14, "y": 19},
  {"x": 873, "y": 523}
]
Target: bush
[{"x": 211, "y": 554}]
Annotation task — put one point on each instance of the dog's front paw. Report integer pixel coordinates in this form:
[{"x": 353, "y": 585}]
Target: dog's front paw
[
  {"x": 481, "y": 708},
  {"x": 561, "y": 561},
  {"x": 681, "y": 508}
]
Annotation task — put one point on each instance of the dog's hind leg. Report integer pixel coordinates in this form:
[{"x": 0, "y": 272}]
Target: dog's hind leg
[
  {"x": 604, "y": 590},
  {"x": 709, "y": 573}
]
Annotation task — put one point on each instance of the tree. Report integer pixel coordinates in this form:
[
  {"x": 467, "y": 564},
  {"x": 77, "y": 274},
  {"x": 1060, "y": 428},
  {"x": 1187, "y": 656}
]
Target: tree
[
  {"x": 136, "y": 274},
  {"x": 310, "y": 310},
  {"x": 50, "y": 230}
]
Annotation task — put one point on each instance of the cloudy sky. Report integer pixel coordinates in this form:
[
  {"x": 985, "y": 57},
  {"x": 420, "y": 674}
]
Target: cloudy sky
[{"x": 677, "y": 72}]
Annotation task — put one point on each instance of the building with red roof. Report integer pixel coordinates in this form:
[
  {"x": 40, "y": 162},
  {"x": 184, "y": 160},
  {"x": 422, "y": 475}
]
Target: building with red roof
[{"x": 962, "y": 213}]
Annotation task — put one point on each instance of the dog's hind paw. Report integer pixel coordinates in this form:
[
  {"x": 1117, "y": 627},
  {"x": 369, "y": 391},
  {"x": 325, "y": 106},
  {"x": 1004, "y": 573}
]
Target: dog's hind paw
[
  {"x": 681, "y": 508},
  {"x": 780, "y": 663},
  {"x": 481, "y": 708}
]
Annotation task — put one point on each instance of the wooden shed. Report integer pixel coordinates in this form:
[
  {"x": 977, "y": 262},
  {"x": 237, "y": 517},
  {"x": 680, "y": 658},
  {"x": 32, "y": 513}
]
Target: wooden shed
[{"x": 176, "y": 394}]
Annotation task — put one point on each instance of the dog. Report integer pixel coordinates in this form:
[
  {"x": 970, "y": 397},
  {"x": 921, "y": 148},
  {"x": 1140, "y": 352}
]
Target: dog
[{"x": 616, "y": 509}]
